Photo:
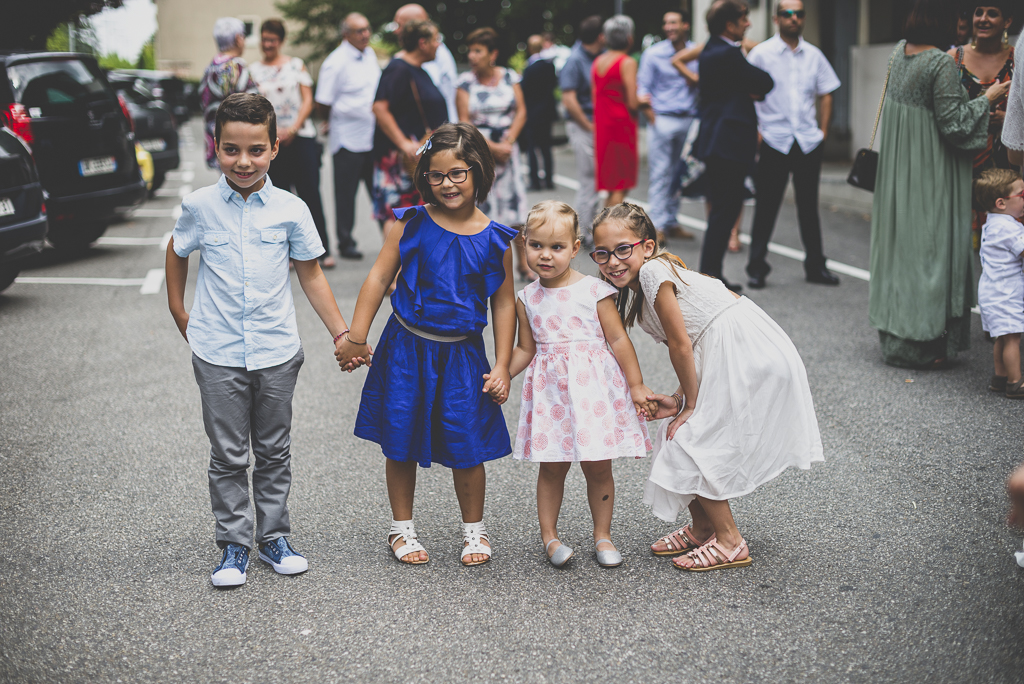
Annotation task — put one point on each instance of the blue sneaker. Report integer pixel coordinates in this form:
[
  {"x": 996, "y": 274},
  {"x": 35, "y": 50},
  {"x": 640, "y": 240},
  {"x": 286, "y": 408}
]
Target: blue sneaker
[
  {"x": 280, "y": 554},
  {"x": 231, "y": 571}
]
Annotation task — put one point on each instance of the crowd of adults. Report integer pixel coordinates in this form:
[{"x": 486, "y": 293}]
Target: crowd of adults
[{"x": 724, "y": 120}]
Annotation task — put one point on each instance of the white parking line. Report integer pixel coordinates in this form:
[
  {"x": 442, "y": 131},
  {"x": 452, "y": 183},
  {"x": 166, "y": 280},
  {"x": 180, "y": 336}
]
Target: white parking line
[
  {"x": 152, "y": 282},
  {"x": 173, "y": 212},
  {"x": 774, "y": 248},
  {"x": 109, "y": 282},
  {"x": 131, "y": 241}
]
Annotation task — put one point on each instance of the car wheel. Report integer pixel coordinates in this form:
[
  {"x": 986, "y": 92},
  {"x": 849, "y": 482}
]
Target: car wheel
[
  {"x": 7, "y": 276},
  {"x": 75, "y": 237},
  {"x": 158, "y": 180}
]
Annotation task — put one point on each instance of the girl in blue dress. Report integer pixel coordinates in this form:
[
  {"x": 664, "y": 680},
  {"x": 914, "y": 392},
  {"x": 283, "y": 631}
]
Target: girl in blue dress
[{"x": 425, "y": 398}]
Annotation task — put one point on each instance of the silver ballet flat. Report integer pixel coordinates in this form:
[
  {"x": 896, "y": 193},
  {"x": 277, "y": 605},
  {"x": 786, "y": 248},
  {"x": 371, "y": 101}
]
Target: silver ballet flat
[
  {"x": 561, "y": 555},
  {"x": 608, "y": 559}
]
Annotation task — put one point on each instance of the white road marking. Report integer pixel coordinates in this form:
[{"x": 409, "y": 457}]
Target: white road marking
[
  {"x": 109, "y": 282},
  {"x": 153, "y": 213},
  {"x": 184, "y": 190},
  {"x": 165, "y": 240},
  {"x": 699, "y": 225},
  {"x": 131, "y": 241},
  {"x": 152, "y": 282}
]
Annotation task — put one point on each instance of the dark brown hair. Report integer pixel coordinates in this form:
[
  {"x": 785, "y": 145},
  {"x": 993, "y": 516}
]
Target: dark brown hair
[
  {"x": 415, "y": 31},
  {"x": 723, "y": 12},
  {"x": 465, "y": 142},
  {"x": 994, "y": 184},
  {"x": 631, "y": 304},
  {"x": 931, "y": 22},
  {"x": 275, "y": 26},
  {"x": 247, "y": 108},
  {"x": 590, "y": 29},
  {"x": 483, "y": 36}
]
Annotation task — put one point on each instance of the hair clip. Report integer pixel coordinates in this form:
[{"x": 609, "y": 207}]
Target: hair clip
[{"x": 425, "y": 146}]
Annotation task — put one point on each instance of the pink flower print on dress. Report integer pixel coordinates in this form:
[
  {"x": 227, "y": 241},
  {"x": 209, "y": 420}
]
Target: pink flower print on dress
[
  {"x": 583, "y": 437},
  {"x": 527, "y": 391},
  {"x": 575, "y": 323},
  {"x": 583, "y": 379},
  {"x": 544, "y": 424},
  {"x": 595, "y": 290},
  {"x": 619, "y": 435},
  {"x": 563, "y": 385},
  {"x": 557, "y": 412},
  {"x": 567, "y": 426},
  {"x": 600, "y": 408},
  {"x": 537, "y": 321},
  {"x": 585, "y": 404},
  {"x": 619, "y": 405},
  {"x": 537, "y": 297},
  {"x": 618, "y": 381},
  {"x": 567, "y": 444},
  {"x": 540, "y": 441},
  {"x": 563, "y": 294},
  {"x": 553, "y": 323}
]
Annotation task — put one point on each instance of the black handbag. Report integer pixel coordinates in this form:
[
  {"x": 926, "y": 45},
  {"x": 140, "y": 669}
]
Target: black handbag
[{"x": 865, "y": 164}]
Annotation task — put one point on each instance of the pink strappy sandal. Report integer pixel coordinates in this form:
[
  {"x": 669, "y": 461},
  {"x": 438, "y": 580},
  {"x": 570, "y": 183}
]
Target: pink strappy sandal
[
  {"x": 680, "y": 541},
  {"x": 712, "y": 556}
]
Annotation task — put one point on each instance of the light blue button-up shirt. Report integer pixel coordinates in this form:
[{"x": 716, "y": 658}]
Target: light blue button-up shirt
[
  {"x": 670, "y": 92},
  {"x": 243, "y": 315}
]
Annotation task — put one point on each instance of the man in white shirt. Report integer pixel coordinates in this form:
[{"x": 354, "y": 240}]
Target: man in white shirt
[
  {"x": 792, "y": 140},
  {"x": 441, "y": 69},
  {"x": 347, "y": 85}
]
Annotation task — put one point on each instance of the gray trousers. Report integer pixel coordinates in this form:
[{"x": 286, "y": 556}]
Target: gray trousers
[
  {"x": 238, "y": 406},
  {"x": 586, "y": 197},
  {"x": 665, "y": 141}
]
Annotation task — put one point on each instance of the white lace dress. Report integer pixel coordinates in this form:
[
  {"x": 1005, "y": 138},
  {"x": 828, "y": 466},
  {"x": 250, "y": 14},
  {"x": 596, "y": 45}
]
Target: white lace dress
[{"x": 754, "y": 416}]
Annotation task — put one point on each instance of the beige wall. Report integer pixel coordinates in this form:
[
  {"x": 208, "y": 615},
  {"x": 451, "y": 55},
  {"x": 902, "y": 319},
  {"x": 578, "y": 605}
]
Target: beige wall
[{"x": 184, "y": 35}]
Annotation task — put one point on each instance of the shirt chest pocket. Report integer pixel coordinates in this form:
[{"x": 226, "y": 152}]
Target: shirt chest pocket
[
  {"x": 217, "y": 247},
  {"x": 274, "y": 243}
]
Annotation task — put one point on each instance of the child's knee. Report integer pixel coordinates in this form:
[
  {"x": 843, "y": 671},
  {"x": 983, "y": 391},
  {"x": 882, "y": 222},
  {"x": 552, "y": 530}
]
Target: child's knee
[
  {"x": 597, "y": 471},
  {"x": 554, "y": 470}
]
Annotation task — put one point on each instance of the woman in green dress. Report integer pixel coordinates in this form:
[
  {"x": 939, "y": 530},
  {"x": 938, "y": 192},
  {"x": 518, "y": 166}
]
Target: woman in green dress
[{"x": 921, "y": 285}]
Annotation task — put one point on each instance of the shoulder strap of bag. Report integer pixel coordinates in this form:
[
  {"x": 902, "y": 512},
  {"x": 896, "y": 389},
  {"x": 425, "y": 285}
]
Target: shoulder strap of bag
[
  {"x": 874, "y": 130},
  {"x": 419, "y": 103}
]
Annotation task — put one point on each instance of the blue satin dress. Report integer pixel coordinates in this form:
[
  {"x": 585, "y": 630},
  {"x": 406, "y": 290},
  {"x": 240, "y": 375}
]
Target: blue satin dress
[{"x": 423, "y": 399}]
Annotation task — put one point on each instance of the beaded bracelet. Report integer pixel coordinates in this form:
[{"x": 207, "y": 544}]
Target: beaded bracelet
[
  {"x": 340, "y": 335},
  {"x": 677, "y": 397}
]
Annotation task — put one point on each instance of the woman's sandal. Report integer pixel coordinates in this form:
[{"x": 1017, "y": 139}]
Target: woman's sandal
[
  {"x": 473, "y": 536},
  {"x": 713, "y": 556},
  {"x": 405, "y": 530},
  {"x": 680, "y": 541}
]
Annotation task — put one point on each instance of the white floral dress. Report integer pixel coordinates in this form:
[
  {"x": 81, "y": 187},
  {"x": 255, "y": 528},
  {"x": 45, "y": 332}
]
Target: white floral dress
[{"x": 576, "y": 404}]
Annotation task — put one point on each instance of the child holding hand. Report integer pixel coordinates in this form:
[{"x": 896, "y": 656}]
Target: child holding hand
[
  {"x": 578, "y": 397},
  {"x": 1001, "y": 288},
  {"x": 422, "y": 400},
  {"x": 742, "y": 412}
]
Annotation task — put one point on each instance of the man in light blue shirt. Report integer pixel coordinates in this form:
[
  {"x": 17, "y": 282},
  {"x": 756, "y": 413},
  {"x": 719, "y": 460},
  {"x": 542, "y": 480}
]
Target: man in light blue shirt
[
  {"x": 669, "y": 102},
  {"x": 245, "y": 344}
]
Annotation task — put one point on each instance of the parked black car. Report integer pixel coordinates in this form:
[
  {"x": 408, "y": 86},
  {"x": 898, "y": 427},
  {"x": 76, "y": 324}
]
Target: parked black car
[
  {"x": 165, "y": 87},
  {"x": 81, "y": 139},
  {"x": 155, "y": 129},
  {"x": 22, "y": 214}
]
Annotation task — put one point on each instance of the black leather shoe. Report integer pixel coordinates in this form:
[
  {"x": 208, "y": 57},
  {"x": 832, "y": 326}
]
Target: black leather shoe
[
  {"x": 756, "y": 282},
  {"x": 351, "y": 253},
  {"x": 822, "y": 277},
  {"x": 735, "y": 287}
]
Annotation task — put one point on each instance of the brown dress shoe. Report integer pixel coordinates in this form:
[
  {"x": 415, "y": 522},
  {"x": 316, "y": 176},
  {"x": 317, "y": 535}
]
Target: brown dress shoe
[{"x": 679, "y": 233}]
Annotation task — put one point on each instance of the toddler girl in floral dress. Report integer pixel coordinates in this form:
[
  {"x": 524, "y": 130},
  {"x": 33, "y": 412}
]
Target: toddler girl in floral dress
[{"x": 583, "y": 389}]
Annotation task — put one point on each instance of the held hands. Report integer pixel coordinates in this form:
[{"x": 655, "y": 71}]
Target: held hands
[
  {"x": 351, "y": 356},
  {"x": 667, "y": 408},
  {"x": 641, "y": 396},
  {"x": 497, "y": 384}
]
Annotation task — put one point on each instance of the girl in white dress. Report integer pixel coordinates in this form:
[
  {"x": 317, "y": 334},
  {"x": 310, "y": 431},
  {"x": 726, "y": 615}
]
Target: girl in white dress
[
  {"x": 742, "y": 412},
  {"x": 580, "y": 401}
]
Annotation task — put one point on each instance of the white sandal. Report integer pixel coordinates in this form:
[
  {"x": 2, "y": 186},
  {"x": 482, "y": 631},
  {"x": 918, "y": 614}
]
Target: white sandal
[
  {"x": 405, "y": 530},
  {"x": 473, "y": 536}
]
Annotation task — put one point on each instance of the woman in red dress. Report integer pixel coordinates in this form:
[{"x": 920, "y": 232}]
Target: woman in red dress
[{"x": 613, "y": 79}]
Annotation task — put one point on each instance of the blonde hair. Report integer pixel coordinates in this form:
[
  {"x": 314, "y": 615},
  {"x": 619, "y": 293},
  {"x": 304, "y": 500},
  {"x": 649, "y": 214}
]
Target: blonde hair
[
  {"x": 552, "y": 210},
  {"x": 994, "y": 184},
  {"x": 631, "y": 304}
]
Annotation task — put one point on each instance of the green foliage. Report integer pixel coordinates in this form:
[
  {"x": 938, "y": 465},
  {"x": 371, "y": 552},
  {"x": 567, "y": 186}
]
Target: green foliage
[
  {"x": 517, "y": 62},
  {"x": 29, "y": 25},
  {"x": 115, "y": 61},
  {"x": 147, "y": 56},
  {"x": 514, "y": 20},
  {"x": 60, "y": 39}
]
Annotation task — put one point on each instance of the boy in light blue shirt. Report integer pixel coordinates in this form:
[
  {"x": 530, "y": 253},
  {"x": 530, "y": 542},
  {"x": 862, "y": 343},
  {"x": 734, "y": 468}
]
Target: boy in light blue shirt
[{"x": 245, "y": 345}]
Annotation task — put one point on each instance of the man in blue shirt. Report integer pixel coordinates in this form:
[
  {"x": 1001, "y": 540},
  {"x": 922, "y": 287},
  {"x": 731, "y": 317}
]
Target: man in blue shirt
[
  {"x": 669, "y": 102},
  {"x": 574, "y": 80},
  {"x": 245, "y": 344}
]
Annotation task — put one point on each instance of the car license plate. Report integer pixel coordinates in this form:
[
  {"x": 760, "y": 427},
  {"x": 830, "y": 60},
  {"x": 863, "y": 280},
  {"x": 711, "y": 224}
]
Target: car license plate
[
  {"x": 97, "y": 166},
  {"x": 6, "y": 207},
  {"x": 154, "y": 145}
]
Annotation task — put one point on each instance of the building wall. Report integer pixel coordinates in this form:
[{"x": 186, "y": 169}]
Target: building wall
[{"x": 184, "y": 37}]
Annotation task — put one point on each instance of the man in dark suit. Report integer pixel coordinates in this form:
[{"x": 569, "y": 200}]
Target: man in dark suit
[
  {"x": 538, "y": 84},
  {"x": 727, "y": 142}
]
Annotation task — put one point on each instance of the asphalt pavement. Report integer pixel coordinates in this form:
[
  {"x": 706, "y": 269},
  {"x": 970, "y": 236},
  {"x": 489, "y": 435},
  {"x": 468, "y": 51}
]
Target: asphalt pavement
[{"x": 890, "y": 561}]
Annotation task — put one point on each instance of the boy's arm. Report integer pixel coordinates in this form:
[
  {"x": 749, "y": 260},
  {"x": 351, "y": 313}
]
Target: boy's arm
[
  {"x": 319, "y": 294},
  {"x": 176, "y": 270}
]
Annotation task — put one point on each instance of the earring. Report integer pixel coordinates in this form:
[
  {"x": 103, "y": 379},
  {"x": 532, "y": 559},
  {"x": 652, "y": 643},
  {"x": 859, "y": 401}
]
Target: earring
[{"x": 1006, "y": 39}]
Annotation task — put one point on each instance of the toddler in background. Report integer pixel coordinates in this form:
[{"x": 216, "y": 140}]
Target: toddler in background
[{"x": 1001, "y": 289}]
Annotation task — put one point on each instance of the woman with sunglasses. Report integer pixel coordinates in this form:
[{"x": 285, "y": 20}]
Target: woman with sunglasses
[{"x": 987, "y": 63}]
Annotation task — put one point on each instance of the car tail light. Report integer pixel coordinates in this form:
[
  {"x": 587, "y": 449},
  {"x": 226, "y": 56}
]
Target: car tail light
[
  {"x": 127, "y": 114},
  {"x": 17, "y": 119}
]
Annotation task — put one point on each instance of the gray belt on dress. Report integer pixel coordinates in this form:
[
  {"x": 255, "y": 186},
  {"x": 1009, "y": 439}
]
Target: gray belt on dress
[{"x": 428, "y": 335}]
